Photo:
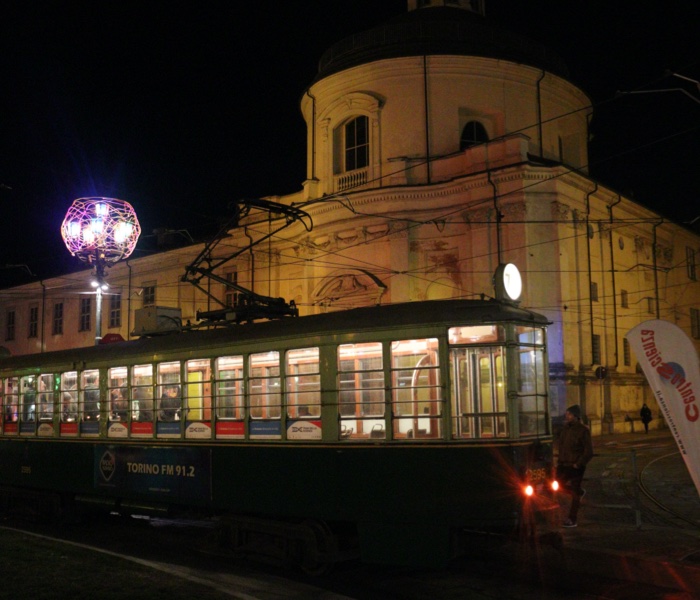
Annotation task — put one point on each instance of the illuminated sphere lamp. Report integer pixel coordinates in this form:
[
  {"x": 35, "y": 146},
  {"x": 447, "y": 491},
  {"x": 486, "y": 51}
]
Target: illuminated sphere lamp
[{"x": 100, "y": 229}]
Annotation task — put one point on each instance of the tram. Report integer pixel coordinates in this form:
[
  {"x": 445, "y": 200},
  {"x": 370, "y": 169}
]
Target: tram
[{"x": 383, "y": 432}]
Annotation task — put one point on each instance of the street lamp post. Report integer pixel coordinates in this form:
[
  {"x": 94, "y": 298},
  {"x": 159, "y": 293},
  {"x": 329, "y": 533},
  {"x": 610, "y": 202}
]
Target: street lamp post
[{"x": 100, "y": 232}]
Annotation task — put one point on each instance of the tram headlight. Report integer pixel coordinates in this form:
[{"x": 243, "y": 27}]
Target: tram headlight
[
  {"x": 529, "y": 490},
  {"x": 555, "y": 485}
]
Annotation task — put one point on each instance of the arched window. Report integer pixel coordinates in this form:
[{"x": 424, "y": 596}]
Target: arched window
[
  {"x": 352, "y": 145},
  {"x": 473, "y": 133}
]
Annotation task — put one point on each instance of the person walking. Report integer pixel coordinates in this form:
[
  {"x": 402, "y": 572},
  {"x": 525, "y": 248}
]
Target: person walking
[
  {"x": 645, "y": 415},
  {"x": 575, "y": 451}
]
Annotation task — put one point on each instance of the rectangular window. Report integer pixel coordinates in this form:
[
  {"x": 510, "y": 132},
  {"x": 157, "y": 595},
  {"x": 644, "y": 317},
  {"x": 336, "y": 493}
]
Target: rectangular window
[
  {"x": 594, "y": 291},
  {"x": 169, "y": 395},
  {"x": 690, "y": 261},
  {"x": 10, "y": 316},
  {"x": 69, "y": 397},
  {"x": 357, "y": 144},
  {"x": 651, "y": 305},
  {"x": 533, "y": 414},
  {"x": 118, "y": 396},
  {"x": 27, "y": 399},
  {"x": 624, "y": 299},
  {"x": 361, "y": 385},
  {"x": 626, "y": 352},
  {"x": 264, "y": 383},
  {"x": 416, "y": 393},
  {"x": 89, "y": 406},
  {"x": 197, "y": 395},
  {"x": 85, "y": 314},
  {"x": 57, "y": 326},
  {"x": 45, "y": 399},
  {"x": 265, "y": 395},
  {"x": 115, "y": 310},
  {"x": 595, "y": 349},
  {"x": 142, "y": 396},
  {"x": 303, "y": 383},
  {"x": 149, "y": 294},
  {"x": 33, "y": 322},
  {"x": 229, "y": 387},
  {"x": 11, "y": 407},
  {"x": 231, "y": 295},
  {"x": 695, "y": 323},
  {"x": 477, "y": 334}
]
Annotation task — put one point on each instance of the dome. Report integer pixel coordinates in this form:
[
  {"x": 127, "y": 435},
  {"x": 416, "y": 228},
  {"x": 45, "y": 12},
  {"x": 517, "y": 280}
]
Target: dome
[{"x": 438, "y": 30}]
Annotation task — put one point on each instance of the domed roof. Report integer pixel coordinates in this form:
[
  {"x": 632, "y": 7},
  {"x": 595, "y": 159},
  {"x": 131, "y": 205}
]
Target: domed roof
[{"x": 438, "y": 30}]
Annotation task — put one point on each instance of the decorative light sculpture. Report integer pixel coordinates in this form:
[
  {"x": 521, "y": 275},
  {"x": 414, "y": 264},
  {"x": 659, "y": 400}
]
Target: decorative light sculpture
[{"x": 100, "y": 232}]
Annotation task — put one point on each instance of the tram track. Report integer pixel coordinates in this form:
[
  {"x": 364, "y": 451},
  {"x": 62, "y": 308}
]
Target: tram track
[
  {"x": 174, "y": 548},
  {"x": 655, "y": 508}
]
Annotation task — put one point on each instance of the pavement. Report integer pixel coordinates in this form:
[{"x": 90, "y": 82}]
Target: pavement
[{"x": 627, "y": 535}]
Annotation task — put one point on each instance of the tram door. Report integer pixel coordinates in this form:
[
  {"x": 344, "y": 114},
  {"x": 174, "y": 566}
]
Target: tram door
[{"x": 480, "y": 409}]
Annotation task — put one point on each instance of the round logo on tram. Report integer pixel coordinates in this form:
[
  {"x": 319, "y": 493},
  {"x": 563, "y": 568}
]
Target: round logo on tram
[{"x": 108, "y": 465}]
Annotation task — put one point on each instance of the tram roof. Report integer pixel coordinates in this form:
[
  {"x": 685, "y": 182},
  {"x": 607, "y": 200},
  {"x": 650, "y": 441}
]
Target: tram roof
[{"x": 386, "y": 317}]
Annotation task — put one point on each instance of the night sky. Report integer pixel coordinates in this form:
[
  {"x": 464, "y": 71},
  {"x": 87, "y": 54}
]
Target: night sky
[{"x": 181, "y": 107}]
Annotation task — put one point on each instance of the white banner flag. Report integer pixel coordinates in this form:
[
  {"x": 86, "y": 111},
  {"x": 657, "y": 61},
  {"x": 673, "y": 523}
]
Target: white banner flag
[{"x": 670, "y": 363}]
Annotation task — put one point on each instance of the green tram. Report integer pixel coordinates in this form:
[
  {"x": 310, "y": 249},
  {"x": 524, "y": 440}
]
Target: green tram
[{"x": 383, "y": 432}]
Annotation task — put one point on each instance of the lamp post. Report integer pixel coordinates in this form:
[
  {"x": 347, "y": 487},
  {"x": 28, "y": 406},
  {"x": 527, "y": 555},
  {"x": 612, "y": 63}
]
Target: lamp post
[{"x": 100, "y": 232}]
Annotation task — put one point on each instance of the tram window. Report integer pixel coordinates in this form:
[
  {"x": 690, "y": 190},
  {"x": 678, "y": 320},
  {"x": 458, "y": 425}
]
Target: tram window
[
  {"x": 264, "y": 385},
  {"x": 27, "y": 398},
  {"x": 532, "y": 389},
  {"x": 118, "y": 394},
  {"x": 530, "y": 335},
  {"x": 142, "y": 393},
  {"x": 533, "y": 415},
  {"x": 532, "y": 371},
  {"x": 45, "y": 404},
  {"x": 477, "y": 334},
  {"x": 361, "y": 385},
  {"x": 415, "y": 389},
  {"x": 11, "y": 400},
  {"x": 479, "y": 402},
  {"x": 90, "y": 395},
  {"x": 198, "y": 390},
  {"x": 69, "y": 399},
  {"x": 303, "y": 383},
  {"x": 229, "y": 388},
  {"x": 169, "y": 391}
]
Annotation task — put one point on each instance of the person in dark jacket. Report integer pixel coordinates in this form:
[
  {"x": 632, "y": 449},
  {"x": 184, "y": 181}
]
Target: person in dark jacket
[
  {"x": 575, "y": 451},
  {"x": 645, "y": 416},
  {"x": 170, "y": 403}
]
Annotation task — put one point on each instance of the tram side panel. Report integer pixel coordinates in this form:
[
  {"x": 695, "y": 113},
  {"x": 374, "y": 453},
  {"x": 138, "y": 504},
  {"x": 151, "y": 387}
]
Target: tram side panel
[
  {"x": 64, "y": 469},
  {"x": 405, "y": 502}
]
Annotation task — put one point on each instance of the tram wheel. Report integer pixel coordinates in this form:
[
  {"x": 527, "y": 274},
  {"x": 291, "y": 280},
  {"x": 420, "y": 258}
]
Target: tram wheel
[{"x": 317, "y": 558}]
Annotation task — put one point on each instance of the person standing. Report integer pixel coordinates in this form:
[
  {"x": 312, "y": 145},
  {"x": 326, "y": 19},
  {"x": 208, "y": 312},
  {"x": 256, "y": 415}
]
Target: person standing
[
  {"x": 170, "y": 403},
  {"x": 575, "y": 451},
  {"x": 645, "y": 415}
]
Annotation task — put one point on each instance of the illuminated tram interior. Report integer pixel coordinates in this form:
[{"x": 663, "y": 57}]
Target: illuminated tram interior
[{"x": 376, "y": 390}]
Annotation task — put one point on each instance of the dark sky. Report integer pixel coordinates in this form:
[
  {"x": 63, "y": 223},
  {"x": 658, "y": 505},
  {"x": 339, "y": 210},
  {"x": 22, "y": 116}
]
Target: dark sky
[{"x": 181, "y": 107}]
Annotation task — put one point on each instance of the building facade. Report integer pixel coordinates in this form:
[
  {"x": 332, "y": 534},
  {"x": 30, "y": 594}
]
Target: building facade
[{"x": 438, "y": 147}]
